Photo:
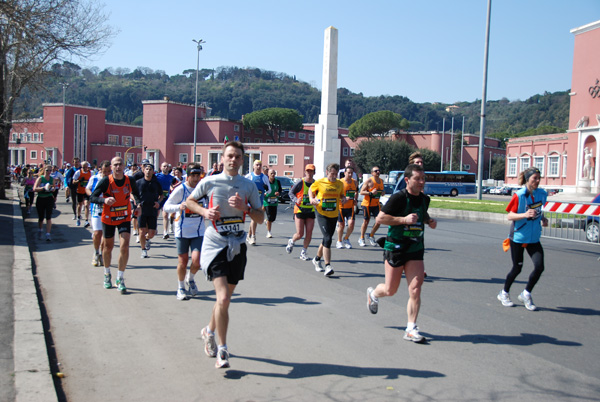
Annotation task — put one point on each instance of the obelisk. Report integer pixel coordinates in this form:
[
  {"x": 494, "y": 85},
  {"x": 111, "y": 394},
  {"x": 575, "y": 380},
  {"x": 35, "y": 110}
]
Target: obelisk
[{"x": 327, "y": 143}]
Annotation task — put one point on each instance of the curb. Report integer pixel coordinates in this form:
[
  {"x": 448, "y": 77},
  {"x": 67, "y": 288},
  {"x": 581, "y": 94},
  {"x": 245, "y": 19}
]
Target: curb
[
  {"x": 487, "y": 217},
  {"x": 33, "y": 378}
]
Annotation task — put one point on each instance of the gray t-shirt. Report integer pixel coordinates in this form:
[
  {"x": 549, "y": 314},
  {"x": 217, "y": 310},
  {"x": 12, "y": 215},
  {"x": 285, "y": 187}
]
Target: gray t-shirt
[{"x": 218, "y": 189}]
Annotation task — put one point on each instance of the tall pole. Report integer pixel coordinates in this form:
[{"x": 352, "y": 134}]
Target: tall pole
[
  {"x": 462, "y": 139},
  {"x": 483, "y": 100},
  {"x": 452, "y": 143},
  {"x": 490, "y": 169},
  {"x": 64, "y": 85},
  {"x": 443, "y": 135},
  {"x": 199, "y": 47}
]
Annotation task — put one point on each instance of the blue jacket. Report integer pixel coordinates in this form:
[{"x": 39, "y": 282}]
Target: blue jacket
[{"x": 529, "y": 230}]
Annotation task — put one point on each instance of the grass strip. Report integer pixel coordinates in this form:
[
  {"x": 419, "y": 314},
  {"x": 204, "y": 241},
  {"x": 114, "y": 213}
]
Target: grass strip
[{"x": 468, "y": 204}]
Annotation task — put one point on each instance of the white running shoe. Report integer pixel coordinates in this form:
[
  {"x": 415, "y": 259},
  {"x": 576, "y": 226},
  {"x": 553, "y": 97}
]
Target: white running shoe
[
  {"x": 252, "y": 240},
  {"x": 144, "y": 254},
  {"x": 269, "y": 235},
  {"x": 361, "y": 242},
  {"x": 414, "y": 335},
  {"x": 303, "y": 255},
  {"x": 339, "y": 244},
  {"x": 222, "y": 358},
  {"x": 210, "y": 346},
  {"x": 193, "y": 289},
  {"x": 505, "y": 299},
  {"x": 372, "y": 241},
  {"x": 347, "y": 243},
  {"x": 137, "y": 239},
  {"x": 372, "y": 301},
  {"x": 182, "y": 294},
  {"x": 290, "y": 246},
  {"x": 318, "y": 265},
  {"x": 527, "y": 301},
  {"x": 328, "y": 270}
]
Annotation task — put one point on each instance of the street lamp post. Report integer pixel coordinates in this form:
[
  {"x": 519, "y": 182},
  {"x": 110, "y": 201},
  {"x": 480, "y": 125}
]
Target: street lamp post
[
  {"x": 199, "y": 47},
  {"x": 64, "y": 86}
]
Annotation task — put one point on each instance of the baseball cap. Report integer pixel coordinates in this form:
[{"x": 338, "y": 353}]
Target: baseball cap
[
  {"x": 145, "y": 162},
  {"x": 310, "y": 166},
  {"x": 68, "y": 165}
]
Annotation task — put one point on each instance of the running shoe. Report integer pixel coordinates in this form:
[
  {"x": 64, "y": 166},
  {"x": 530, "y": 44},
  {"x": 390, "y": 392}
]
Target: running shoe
[
  {"x": 120, "y": 283},
  {"x": 527, "y": 301},
  {"x": 303, "y": 255},
  {"x": 210, "y": 346},
  {"x": 252, "y": 240},
  {"x": 222, "y": 358},
  {"x": 100, "y": 260},
  {"x": 166, "y": 236},
  {"x": 290, "y": 247},
  {"x": 414, "y": 335},
  {"x": 48, "y": 237},
  {"x": 87, "y": 224},
  {"x": 372, "y": 241},
  {"x": 137, "y": 239},
  {"x": 74, "y": 218},
  {"x": 171, "y": 228},
  {"x": 361, "y": 242},
  {"x": 192, "y": 287},
  {"x": 78, "y": 222},
  {"x": 269, "y": 235},
  {"x": 68, "y": 199},
  {"x": 144, "y": 254},
  {"x": 107, "y": 281},
  {"x": 182, "y": 294},
  {"x": 135, "y": 233},
  {"x": 148, "y": 244},
  {"x": 347, "y": 243},
  {"x": 95, "y": 261},
  {"x": 339, "y": 244},
  {"x": 372, "y": 301},
  {"x": 505, "y": 299},
  {"x": 328, "y": 270},
  {"x": 318, "y": 265}
]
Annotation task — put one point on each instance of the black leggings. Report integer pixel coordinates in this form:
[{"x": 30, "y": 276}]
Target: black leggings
[
  {"x": 536, "y": 252},
  {"x": 327, "y": 226},
  {"x": 44, "y": 206}
]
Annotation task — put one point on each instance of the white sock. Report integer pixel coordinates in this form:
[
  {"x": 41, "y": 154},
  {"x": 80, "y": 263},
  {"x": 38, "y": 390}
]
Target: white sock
[
  {"x": 191, "y": 276},
  {"x": 223, "y": 347},
  {"x": 106, "y": 271},
  {"x": 181, "y": 284},
  {"x": 120, "y": 274},
  {"x": 410, "y": 326},
  {"x": 209, "y": 331}
]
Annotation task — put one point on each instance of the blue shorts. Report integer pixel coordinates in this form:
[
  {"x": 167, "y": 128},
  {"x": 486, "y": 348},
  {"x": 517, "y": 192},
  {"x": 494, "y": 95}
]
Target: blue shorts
[{"x": 184, "y": 245}]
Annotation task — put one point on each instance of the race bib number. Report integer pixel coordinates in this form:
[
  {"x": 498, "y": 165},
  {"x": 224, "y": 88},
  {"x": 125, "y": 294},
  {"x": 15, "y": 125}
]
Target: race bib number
[
  {"x": 271, "y": 200},
  {"x": 231, "y": 224},
  {"x": 537, "y": 207},
  {"x": 306, "y": 200},
  {"x": 329, "y": 204},
  {"x": 350, "y": 193},
  {"x": 190, "y": 214},
  {"x": 118, "y": 213},
  {"x": 377, "y": 195}
]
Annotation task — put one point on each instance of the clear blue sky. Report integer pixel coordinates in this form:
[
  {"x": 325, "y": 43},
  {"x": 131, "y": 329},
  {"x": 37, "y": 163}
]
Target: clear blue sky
[{"x": 426, "y": 50}]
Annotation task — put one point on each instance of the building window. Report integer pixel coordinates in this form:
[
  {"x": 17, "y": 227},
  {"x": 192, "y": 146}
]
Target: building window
[
  {"x": 183, "y": 158},
  {"x": 311, "y": 137},
  {"x": 42, "y": 137},
  {"x": 257, "y": 140},
  {"x": 113, "y": 139},
  {"x": 258, "y": 131},
  {"x": 345, "y": 151},
  {"x": 28, "y": 137},
  {"x": 246, "y": 129},
  {"x": 564, "y": 169},
  {"x": 538, "y": 162},
  {"x": 138, "y": 141},
  {"x": 525, "y": 161},
  {"x": 247, "y": 139},
  {"x": 126, "y": 141},
  {"x": 198, "y": 158},
  {"x": 301, "y": 136},
  {"x": 272, "y": 160},
  {"x": 269, "y": 141},
  {"x": 118, "y": 154},
  {"x": 289, "y": 160},
  {"x": 33, "y": 154},
  {"x": 129, "y": 158},
  {"x": 512, "y": 167},
  {"x": 36, "y": 137},
  {"x": 282, "y": 134},
  {"x": 80, "y": 139},
  {"x": 291, "y": 134},
  {"x": 288, "y": 174},
  {"x": 553, "y": 164},
  {"x": 236, "y": 128},
  {"x": 351, "y": 151},
  {"x": 139, "y": 158}
]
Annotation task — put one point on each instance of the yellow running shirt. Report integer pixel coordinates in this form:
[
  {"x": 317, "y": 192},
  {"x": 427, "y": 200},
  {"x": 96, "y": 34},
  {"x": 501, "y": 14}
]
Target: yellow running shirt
[{"x": 329, "y": 194}]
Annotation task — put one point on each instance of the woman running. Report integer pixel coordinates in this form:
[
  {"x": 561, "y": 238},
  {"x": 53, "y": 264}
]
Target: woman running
[{"x": 44, "y": 186}]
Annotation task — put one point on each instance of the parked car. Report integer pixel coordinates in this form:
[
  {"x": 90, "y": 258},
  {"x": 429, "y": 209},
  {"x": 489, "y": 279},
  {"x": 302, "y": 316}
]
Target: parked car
[{"x": 286, "y": 185}]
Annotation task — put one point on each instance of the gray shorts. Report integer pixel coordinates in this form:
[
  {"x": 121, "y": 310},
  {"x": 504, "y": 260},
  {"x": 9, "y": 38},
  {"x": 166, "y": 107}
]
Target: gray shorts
[{"x": 184, "y": 245}]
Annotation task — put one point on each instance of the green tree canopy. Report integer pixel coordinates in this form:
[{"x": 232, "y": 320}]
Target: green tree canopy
[
  {"x": 498, "y": 168},
  {"x": 273, "y": 120},
  {"x": 385, "y": 153},
  {"x": 377, "y": 123}
]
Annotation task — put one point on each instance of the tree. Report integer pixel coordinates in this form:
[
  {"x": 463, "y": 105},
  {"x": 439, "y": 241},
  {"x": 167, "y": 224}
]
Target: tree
[
  {"x": 33, "y": 36},
  {"x": 498, "y": 168},
  {"x": 431, "y": 160},
  {"x": 377, "y": 123},
  {"x": 385, "y": 153},
  {"x": 273, "y": 120}
]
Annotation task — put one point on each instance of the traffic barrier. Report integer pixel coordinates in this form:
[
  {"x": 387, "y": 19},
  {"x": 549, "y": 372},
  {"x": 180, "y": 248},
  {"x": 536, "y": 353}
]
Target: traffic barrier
[{"x": 576, "y": 221}]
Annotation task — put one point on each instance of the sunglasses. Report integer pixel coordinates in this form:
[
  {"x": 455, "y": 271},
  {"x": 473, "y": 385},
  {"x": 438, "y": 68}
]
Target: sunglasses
[{"x": 375, "y": 171}]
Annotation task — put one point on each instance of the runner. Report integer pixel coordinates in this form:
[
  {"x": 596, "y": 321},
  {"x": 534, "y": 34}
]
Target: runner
[
  {"x": 304, "y": 212},
  {"x": 264, "y": 187},
  {"x": 527, "y": 219},
  {"x": 372, "y": 189},
  {"x": 72, "y": 186},
  {"x": 80, "y": 179},
  {"x": 151, "y": 195},
  {"x": 59, "y": 180},
  {"x": 327, "y": 194},
  {"x": 349, "y": 164},
  {"x": 28, "y": 193},
  {"x": 271, "y": 201},
  {"x": 44, "y": 187},
  {"x": 189, "y": 232},
  {"x": 96, "y": 213},
  {"x": 347, "y": 209},
  {"x": 223, "y": 257},
  {"x": 165, "y": 179},
  {"x": 406, "y": 214},
  {"x": 116, "y": 216}
]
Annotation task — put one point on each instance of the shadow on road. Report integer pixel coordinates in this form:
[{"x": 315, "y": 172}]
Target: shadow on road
[{"x": 517, "y": 340}]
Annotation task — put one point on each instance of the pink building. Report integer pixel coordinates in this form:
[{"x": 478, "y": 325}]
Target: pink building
[{"x": 568, "y": 160}]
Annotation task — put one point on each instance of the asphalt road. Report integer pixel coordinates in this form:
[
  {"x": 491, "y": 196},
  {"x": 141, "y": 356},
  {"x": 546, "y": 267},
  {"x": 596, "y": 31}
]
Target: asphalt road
[{"x": 297, "y": 335}]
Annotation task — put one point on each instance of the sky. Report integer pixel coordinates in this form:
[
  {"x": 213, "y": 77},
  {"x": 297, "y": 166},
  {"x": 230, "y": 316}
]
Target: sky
[{"x": 425, "y": 50}]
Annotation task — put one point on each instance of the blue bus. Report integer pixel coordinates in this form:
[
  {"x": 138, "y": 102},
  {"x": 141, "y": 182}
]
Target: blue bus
[{"x": 450, "y": 183}]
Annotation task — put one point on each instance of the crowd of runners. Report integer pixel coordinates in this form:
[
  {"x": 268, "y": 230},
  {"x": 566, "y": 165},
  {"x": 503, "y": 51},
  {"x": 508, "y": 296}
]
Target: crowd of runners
[{"x": 206, "y": 214}]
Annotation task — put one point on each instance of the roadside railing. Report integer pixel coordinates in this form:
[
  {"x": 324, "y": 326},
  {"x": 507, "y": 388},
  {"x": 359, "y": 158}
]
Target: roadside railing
[{"x": 572, "y": 221}]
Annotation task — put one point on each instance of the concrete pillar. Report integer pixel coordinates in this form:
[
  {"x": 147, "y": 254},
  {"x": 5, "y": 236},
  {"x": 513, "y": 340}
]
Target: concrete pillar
[{"x": 327, "y": 143}]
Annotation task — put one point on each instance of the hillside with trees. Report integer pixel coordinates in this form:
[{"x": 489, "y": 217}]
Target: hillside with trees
[{"x": 232, "y": 92}]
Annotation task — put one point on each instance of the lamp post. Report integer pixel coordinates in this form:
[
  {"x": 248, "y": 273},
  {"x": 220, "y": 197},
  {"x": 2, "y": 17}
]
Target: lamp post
[
  {"x": 199, "y": 47},
  {"x": 64, "y": 86}
]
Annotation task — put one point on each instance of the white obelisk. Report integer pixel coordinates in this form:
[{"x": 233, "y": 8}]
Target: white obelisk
[{"x": 327, "y": 143}]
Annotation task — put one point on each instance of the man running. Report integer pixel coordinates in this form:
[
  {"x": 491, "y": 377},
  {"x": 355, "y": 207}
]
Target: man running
[
  {"x": 223, "y": 257},
  {"x": 151, "y": 194},
  {"x": 349, "y": 164},
  {"x": 96, "y": 212},
  {"x": 189, "y": 232},
  {"x": 406, "y": 214},
  {"x": 372, "y": 190},
  {"x": 80, "y": 179},
  {"x": 262, "y": 184},
  {"x": 116, "y": 190},
  {"x": 72, "y": 187},
  {"x": 304, "y": 211},
  {"x": 347, "y": 209},
  {"x": 165, "y": 179},
  {"x": 271, "y": 201}
]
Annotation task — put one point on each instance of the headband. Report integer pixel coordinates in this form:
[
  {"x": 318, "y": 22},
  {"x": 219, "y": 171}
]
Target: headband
[
  {"x": 530, "y": 172},
  {"x": 192, "y": 171}
]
